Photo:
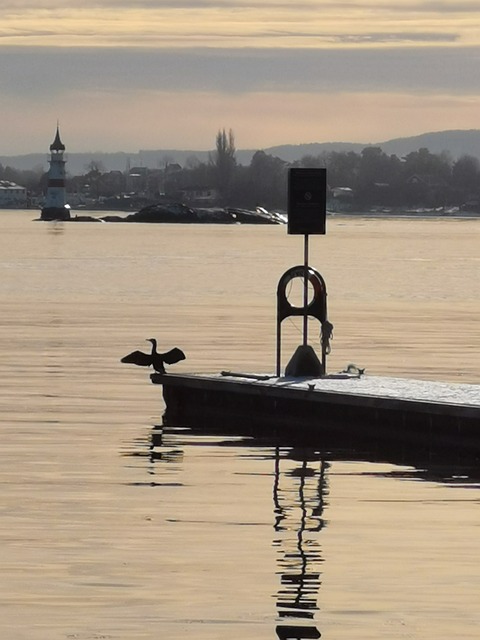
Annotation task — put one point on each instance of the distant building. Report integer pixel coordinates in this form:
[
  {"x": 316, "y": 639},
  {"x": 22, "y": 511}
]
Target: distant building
[
  {"x": 12, "y": 196},
  {"x": 137, "y": 179},
  {"x": 340, "y": 199},
  {"x": 426, "y": 190},
  {"x": 200, "y": 195},
  {"x": 55, "y": 207},
  {"x": 426, "y": 180}
]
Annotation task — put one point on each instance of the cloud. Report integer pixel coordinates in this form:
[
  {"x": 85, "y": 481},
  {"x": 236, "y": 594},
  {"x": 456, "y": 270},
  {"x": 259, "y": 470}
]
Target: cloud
[
  {"x": 272, "y": 69},
  {"x": 451, "y": 6},
  {"x": 235, "y": 23},
  {"x": 376, "y": 38},
  {"x": 44, "y": 73},
  {"x": 445, "y": 6}
]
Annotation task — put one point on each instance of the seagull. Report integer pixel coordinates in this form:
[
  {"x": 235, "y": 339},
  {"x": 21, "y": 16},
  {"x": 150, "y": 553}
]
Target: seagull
[
  {"x": 354, "y": 370},
  {"x": 154, "y": 359}
]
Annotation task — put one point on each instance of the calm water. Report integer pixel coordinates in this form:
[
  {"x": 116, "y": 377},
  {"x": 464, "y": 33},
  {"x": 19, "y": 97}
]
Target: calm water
[{"x": 113, "y": 528}]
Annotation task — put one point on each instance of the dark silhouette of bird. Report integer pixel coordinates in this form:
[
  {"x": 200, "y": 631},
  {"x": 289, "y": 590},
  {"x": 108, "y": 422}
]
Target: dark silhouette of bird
[
  {"x": 154, "y": 359},
  {"x": 352, "y": 369}
]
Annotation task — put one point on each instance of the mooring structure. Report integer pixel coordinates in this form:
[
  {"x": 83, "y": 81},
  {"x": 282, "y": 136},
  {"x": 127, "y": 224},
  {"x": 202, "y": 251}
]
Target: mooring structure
[
  {"x": 308, "y": 405},
  {"x": 307, "y": 212}
]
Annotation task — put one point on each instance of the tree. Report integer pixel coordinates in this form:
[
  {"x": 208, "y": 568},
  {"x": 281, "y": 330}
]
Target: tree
[
  {"x": 95, "y": 167},
  {"x": 196, "y": 173},
  {"x": 426, "y": 178},
  {"x": 224, "y": 161},
  {"x": 267, "y": 181},
  {"x": 378, "y": 177},
  {"x": 342, "y": 168},
  {"x": 466, "y": 175},
  {"x": 192, "y": 162},
  {"x": 312, "y": 162},
  {"x": 424, "y": 163},
  {"x": 92, "y": 177}
]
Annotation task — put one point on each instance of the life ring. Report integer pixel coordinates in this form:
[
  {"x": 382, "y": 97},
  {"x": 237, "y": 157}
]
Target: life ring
[{"x": 315, "y": 307}]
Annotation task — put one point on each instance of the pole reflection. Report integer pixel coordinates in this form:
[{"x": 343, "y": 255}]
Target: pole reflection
[
  {"x": 299, "y": 498},
  {"x": 300, "y": 490}
]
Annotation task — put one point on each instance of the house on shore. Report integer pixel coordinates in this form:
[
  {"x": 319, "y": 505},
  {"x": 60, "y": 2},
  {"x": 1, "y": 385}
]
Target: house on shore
[{"x": 12, "y": 195}]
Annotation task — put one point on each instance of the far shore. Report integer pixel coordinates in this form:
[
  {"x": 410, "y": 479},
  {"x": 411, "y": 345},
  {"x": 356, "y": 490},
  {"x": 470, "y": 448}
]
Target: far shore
[{"x": 83, "y": 214}]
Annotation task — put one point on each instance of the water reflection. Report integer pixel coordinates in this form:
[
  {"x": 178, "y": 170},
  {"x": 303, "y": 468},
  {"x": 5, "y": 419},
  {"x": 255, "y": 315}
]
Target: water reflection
[
  {"x": 300, "y": 500},
  {"x": 158, "y": 450},
  {"x": 451, "y": 474},
  {"x": 299, "y": 493},
  {"x": 55, "y": 228}
]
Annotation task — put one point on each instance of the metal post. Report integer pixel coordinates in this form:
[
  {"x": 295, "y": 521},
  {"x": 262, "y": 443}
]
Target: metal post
[
  {"x": 305, "y": 292},
  {"x": 279, "y": 345}
]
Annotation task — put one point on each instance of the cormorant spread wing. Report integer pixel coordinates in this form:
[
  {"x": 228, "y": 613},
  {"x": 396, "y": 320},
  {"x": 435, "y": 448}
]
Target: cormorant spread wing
[
  {"x": 138, "y": 357},
  {"x": 173, "y": 356},
  {"x": 157, "y": 360}
]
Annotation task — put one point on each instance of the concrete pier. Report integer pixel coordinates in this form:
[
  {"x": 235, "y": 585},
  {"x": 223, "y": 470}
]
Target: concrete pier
[{"x": 388, "y": 410}]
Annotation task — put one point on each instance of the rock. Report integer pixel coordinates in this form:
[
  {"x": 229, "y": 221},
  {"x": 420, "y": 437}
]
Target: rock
[
  {"x": 55, "y": 213},
  {"x": 175, "y": 212}
]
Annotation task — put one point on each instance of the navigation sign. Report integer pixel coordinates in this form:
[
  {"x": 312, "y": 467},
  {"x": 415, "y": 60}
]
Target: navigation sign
[{"x": 307, "y": 201}]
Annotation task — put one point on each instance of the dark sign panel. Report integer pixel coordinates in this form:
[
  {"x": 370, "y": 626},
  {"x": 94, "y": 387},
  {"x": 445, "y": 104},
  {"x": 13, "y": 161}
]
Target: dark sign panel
[{"x": 307, "y": 201}]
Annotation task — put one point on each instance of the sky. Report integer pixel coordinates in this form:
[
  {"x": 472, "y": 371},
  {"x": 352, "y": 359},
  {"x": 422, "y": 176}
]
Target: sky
[{"x": 169, "y": 74}]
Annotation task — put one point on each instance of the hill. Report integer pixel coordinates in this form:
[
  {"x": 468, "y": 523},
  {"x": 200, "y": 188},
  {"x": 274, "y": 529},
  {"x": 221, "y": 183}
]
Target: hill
[{"x": 456, "y": 142}]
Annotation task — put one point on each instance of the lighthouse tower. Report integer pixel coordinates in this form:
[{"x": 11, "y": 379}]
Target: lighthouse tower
[{"x": 55, "y": 202}]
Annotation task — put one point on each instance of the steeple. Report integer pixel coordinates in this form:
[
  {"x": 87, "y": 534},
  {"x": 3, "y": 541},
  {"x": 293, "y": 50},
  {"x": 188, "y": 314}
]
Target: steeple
[{"x": 57, "y": 144}]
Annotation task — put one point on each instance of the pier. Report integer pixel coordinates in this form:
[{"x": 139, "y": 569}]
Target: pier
[
  {"x": 373, "y": 409},
  {"x": 303, "y": 401}
]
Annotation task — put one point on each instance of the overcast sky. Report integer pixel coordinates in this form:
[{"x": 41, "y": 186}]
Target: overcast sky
[{"x": 123, "y": 76}]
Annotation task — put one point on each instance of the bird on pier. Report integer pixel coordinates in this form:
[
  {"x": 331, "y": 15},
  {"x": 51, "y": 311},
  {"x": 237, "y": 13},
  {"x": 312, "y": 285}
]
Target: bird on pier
[
  {"x": 154, "y": 359},
  {"x": 353, "y": 370}
]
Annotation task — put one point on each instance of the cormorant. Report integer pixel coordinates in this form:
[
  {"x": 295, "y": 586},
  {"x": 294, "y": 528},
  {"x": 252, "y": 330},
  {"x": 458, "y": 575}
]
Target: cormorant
[{"x": 154, "y": 359}]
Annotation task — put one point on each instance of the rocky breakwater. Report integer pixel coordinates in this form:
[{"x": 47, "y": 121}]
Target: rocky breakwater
[{"x": 178, "y": 213}]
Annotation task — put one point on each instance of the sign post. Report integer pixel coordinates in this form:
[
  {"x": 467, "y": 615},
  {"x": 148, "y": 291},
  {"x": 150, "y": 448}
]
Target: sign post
[{"x": 307, "y": 213}]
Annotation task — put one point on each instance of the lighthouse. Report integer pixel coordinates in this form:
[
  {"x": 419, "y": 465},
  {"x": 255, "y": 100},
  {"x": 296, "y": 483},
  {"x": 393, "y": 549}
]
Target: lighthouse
[{"x": 55, "y": 207}]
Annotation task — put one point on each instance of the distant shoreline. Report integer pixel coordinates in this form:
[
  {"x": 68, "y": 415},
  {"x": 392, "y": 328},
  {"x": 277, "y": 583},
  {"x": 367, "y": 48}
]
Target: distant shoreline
[
  {"x": 394, "y": 214},
  {"x": 405, "y": 214}
]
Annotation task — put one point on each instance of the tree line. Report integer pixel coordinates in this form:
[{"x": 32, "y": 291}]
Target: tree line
[
  {"x": 362, "y": 180},
  {"x": 359, "y": 181}
]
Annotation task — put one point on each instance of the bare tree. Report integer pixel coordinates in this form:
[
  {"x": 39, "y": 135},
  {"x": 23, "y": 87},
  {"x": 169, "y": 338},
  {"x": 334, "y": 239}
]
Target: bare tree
[{"x": 224, "y": 161}]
